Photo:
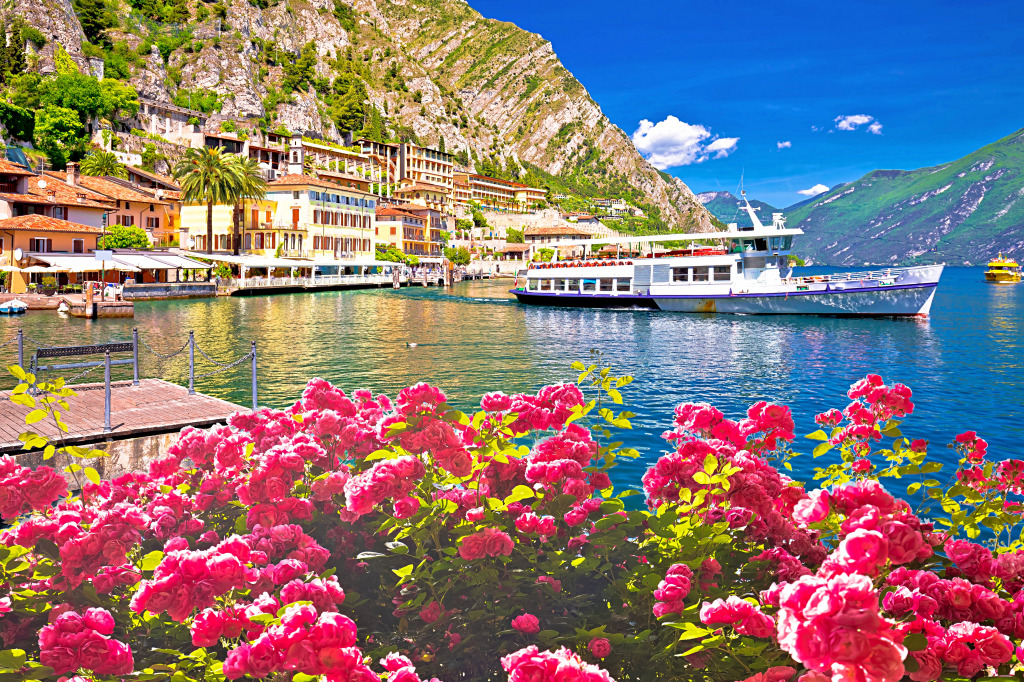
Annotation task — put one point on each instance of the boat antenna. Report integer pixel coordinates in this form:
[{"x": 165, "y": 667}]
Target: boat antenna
[{"x": 758, "y": 225}]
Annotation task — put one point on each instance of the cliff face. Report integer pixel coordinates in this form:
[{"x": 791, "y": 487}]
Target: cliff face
[{"x": 433, "y": 69}]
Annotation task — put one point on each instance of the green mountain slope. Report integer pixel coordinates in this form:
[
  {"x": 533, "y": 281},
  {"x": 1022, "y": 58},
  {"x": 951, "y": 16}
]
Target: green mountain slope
[
  {"x": 432, "y": 71},
  {"x": 727, "y": 208},
  {"x": 962, "y": 212}
]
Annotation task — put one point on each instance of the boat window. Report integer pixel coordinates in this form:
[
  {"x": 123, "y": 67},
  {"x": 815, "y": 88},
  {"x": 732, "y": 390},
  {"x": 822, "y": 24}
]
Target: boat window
[
  {"x": 622, "y": 284},
  {"x": 748, "y": 244},
  {"x": 680, "y": 274},
  {"x": 559, "y": 284},
  {"x": 589, "y": 285},
  {"x": 760, "y": 244},
  {"x": 739, "y": 267},
  {"x": 606, "y": 285},
  {"x": 545, "y": 285},
  {"x": 700, "y": 274},
  {"x": 775, "y": 243},
  {"x": 722, "y": 273},
  {"x": 787, "y": 243},
  {"x": 573, "y": 285},
  {"x": 531, "y": 285}
]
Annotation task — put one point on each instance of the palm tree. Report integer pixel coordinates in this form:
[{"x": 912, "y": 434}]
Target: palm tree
[
  {"x": 251, "y": 185},
  {"x": 104, "y": 163},
  {"x": 207, "y": 177}
]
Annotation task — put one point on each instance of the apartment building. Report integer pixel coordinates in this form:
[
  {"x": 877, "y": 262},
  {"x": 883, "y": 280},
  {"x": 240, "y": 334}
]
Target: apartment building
[
  {"x": 497, "y": 194},
  {"x": 409, "y": 165}
]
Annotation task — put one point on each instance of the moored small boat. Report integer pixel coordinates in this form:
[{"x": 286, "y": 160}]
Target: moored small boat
[
  {"x": 1003, "y": 270},
  {"x": 13, "y": 307}
]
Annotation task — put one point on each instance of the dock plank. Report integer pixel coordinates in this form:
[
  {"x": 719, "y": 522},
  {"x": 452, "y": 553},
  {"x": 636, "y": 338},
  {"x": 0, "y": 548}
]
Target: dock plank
[{"x": 154, "y": 406}]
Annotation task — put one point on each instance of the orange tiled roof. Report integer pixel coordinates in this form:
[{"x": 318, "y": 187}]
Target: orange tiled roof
[
  {"x": 154, "y": 176},
  {"x": 395, "y": 212},
  {"x": 41, "y": 223},
  {"x": 108, "y": 189},
  {"x": 63, "y": 195},
  {"x": 11, "y": 168},
  {"x": 296, "y": 180},
  {"x": 422, "y": 187},
  {"x": 551, "y": 231}
]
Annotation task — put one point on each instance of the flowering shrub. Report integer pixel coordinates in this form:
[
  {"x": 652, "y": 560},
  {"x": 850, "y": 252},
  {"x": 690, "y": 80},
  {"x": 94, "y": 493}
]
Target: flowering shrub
[{"x": 352, "y": 536}]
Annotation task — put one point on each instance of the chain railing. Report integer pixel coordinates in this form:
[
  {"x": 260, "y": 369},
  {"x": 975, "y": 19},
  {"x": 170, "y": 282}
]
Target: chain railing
[{"x": 42, "y": 352}]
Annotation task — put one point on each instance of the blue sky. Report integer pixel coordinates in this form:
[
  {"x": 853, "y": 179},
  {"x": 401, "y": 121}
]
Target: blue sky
[{"x": 941, "y": 79}]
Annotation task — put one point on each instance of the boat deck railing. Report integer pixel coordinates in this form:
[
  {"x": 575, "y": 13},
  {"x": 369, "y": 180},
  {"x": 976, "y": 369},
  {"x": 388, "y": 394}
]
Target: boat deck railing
[{"x": 848, "y": 276}]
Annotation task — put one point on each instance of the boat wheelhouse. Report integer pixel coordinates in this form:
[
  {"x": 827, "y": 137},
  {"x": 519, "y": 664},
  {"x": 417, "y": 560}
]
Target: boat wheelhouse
[{"x": 742, "y": 271}]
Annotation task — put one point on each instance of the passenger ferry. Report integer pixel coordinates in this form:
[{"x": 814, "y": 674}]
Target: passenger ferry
[
  {"x": 740, "y": 271},
  {"x": 1003, "y": 271}
]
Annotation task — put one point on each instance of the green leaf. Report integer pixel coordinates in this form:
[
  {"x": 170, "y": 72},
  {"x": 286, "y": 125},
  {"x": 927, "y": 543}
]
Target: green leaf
[
  {"x": 710, "y": 464},
  {"x": 397, "y": 547},
  {"x": 577, "y": 365},
  {"x": 151, "y": 560},
  {"x": 241, "y": 527},
  {"x": 817, "y": 435},
  {"x": 35, "y": 416},
  {"x": 12, "y": 658},
  {"x": 403, "y": 571},
  {"x": 547, "y": 634},
  {"x": 821, "y": 449},
  {"x": 520, "y": 492},
  {"x": 702, "y": 478},
  {"x": 915, "y": 641},
  {"x": 369, "y": 555},
  {"x": 92, "y": 475},
  {"x": 913, "y": 488}
]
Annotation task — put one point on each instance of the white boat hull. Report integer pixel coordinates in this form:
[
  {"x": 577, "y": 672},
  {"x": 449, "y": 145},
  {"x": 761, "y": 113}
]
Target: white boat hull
[{"x": 878, "y": 302}]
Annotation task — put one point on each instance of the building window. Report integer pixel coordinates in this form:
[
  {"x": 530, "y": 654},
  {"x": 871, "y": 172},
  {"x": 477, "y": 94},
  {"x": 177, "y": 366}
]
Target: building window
[
  {"x": 60, "y": 212},
  {"x": 40, "y": 245},
  {"x": 125, "y": 220},
  {"x": 152, "y": 223},
  {"x": 77, "y": 246},
  {"x": 295, "y": 195},
  {"x": 1, "y": 244},
  {"x": 392, "y": 230}
]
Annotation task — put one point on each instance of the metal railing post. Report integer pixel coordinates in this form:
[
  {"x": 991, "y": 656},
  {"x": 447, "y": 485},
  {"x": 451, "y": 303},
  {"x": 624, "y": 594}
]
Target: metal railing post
[
  {"x": 135, "y": 356},
  {"x": 191, "y": 363},
  {"x": 21, "y": 349},
  {"x": 254, "y": 402},
  {"x": 106, "y": 392}
]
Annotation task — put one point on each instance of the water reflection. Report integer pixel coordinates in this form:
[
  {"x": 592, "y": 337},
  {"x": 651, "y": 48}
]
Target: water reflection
[{"x": 963, "y": 362}]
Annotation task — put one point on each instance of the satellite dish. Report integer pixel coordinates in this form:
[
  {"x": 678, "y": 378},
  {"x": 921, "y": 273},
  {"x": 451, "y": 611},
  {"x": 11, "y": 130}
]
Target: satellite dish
[
  {"x": 42, "y": 184},
  {"x": 18, "y": 254},
  {"x": 191, "y": 242}
]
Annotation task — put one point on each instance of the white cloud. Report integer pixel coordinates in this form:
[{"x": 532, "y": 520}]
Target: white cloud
[
  {"x": 856, "y": 121},
  {"x": 813, "y": 191},
  {"x": 672, "y": 143},
  {"x": 722, "y": 147},
  {"x": 784, "y": 145}
]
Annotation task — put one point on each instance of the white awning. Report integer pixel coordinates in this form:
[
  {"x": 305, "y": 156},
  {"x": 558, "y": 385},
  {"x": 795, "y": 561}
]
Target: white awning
[
  {"x": 83, "y": 263},
  {"x": 141, "y": 262},
  {"x": 180, "y": 262},
  {"x": 258, "y": 261},
  {"x": 353, "y": 263}
]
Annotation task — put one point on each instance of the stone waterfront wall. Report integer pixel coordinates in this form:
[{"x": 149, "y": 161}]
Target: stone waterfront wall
[{"x": 141, "y": 292}]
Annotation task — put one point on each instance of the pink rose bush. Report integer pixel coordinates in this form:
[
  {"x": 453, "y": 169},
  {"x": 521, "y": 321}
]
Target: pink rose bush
[{"x": 350, "y": 528}]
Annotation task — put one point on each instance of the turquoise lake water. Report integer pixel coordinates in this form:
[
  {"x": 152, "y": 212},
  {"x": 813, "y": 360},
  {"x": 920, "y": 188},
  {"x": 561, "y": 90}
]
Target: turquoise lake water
[{"x": 963, "y": 363}]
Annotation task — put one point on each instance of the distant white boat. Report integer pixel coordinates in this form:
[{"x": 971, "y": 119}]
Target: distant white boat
[
  {"x": 13, "y": 307},
  {"x": 739, "y": 271}
]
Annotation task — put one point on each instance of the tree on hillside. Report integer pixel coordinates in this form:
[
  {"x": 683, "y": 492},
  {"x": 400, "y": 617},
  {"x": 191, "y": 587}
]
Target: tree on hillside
[
  {"x": 24, "y": 90},
  {"x": 478, "y": 218},
  {"x": 300, "y": 71},
  {"x": 124, "y": 237},
  {"x": 101, "y": 163},
  {"x": 96, "y": 18},
  {"x": 75, "y": 91},
  {"x": 117, "y": 99},
  {"x": 459, "y": 256},
  {"x": 251, "y": 185},
  {"x": 59, "y": 133},
  {"x": 12, "y": 52},
  {"x": 207, "y": 176},
  {"x": 514, "y": 236}
]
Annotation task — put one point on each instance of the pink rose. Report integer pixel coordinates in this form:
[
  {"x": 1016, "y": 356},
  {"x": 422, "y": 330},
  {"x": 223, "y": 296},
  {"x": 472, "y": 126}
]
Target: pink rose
[
  {"x": 472, "y": 547},
  {"x": 406, "y": 507},
  {"x": 236, "y": 664},
  {"x": 526, "y": 624},
  {"x": 99, "y": 620},
  {"x": 929, "y": 666},
  {"x": 119, "y": 660},
  {"x": 61, "y": 659},
  {"x": 431, "y": 612},
  {"x": 600, "y": 647}
]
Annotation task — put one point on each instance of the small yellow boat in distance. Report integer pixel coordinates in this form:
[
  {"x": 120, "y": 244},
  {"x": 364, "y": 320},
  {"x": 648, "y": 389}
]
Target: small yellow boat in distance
[{"x": 1003, "y": 271}]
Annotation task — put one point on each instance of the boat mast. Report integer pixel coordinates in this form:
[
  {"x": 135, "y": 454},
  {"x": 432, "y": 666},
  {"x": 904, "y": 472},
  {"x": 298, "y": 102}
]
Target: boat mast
[{"x": 758, "y": 225}]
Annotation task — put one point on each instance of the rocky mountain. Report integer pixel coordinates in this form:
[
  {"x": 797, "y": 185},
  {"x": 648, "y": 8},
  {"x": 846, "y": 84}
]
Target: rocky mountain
[
  {"x": 727, "y": 208},
  {"x": 434, "y": 71},
  {"x": 962, "y": 212}
]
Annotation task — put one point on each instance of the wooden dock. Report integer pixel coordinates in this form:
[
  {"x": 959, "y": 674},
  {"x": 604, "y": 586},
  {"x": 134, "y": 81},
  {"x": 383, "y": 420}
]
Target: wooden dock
[{"x": 154, "y": 407}]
